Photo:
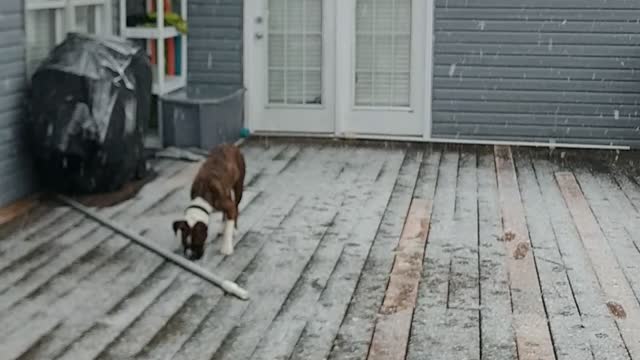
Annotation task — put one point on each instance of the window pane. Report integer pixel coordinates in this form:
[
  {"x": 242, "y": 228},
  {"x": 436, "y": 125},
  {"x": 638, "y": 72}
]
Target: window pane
[
  {"x": 41, "y": 36},
  {"x": 295, "y": 52},
  {"x": 383, "y": 53}
]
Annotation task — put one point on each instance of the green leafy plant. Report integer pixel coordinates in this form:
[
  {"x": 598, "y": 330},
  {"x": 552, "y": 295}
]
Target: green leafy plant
[{"x": 171, "y": 19}]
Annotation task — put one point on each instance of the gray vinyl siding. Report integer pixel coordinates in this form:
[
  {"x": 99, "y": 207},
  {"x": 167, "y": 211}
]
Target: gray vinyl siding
[
  {"x": 215, "y": 44},
  {"x": 16, "y": 175},
  {"x": 537, "y": 70}
]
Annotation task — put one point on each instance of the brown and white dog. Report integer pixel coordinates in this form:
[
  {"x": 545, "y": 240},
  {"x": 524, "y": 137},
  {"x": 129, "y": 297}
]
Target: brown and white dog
[{"x": 217, "y": 186}]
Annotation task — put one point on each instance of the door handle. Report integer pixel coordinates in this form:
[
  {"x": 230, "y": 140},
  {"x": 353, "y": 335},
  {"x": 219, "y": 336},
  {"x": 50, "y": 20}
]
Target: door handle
[{"x": 259, "y": 35}]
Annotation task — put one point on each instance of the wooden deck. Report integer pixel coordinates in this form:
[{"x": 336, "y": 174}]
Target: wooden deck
[{"x": 349, "y": 252}]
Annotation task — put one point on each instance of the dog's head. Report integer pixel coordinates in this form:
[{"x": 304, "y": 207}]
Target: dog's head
[{"x": 192, "y": 238}]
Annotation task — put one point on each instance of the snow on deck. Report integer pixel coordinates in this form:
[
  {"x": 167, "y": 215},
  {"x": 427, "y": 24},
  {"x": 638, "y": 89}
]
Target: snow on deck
[{"x": 525, "y": 258}]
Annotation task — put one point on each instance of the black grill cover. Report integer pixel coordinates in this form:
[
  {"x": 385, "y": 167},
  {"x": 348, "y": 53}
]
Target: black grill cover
[{"x": 89, "y": 102}]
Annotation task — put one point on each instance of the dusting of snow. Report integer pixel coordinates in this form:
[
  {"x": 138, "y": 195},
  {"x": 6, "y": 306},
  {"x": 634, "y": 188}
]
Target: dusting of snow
[{"x": 452, "y": 70}]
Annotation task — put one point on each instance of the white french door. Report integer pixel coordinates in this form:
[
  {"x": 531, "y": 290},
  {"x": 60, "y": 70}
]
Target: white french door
[
  {"x": 293, "y": 72},
  {"x": 383, "y": 62},
  {"x": 343, "y": 67}
]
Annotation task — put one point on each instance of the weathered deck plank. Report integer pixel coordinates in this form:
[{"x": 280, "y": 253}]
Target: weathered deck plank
[
  {"x": 74, "y": 310},
  {"x": 615, "y": 214},
  {"x": 320, "y": 331},
  {"x": 286, "y": 254},
  {"x": 42, "y": 302},
  {"x": 431, "y": 337},
  {"x": 33, "y": 251},
  {"x": 460, "y": 246},
  {"x": 600, "y": 329},
  {"x": 32, "y": 244},
  {"x": 315, "y": 248},
  {"x": 312, "y": 280},
  {"x": 631, "y": 190},
  {"x": 355, "y": 333},
  {"x": 285, "y": 330},
  {"x": 73, "y": 247},
  {"x": 141, "y": 318},
  {"x": 569, "y": 339},
  {"x": 496, "y": 318},
  {"x": 621, "y": 300},
  {"x": 392, "y": 331},
  {"x": 530, "y": 320}
]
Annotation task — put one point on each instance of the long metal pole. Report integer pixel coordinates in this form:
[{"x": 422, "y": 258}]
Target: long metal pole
[{"x": 226, "y": 285}]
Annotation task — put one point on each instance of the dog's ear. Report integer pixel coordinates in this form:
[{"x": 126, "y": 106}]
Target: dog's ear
[{"x": 180, "y": 225}]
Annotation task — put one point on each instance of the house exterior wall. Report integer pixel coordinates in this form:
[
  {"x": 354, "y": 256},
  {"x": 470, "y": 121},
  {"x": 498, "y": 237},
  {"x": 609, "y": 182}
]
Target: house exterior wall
[
  {"x": 536, "y": 70},
  {"x": 16, "y": 174},
  {"x": 215, "y": 44}
]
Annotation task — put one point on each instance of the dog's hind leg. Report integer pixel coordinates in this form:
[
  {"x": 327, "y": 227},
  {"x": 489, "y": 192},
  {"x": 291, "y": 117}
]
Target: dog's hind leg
[{"x": 237, "y": 194}]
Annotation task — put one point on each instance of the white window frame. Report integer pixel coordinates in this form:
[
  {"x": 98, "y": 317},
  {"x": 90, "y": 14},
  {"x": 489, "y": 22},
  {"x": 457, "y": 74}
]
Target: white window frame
[{"x": 65, "y": 17}]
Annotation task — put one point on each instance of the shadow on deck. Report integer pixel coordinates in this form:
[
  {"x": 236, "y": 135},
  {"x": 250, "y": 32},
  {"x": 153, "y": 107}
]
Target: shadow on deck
[{"x": 349, "y": 252}]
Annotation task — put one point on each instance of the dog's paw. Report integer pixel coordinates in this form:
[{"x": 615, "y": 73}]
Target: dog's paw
[{"x": 226, "y": 250}]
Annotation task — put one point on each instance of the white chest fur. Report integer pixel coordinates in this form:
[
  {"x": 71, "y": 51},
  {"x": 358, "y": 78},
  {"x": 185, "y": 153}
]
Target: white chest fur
[{"x": 199, "y": 210}]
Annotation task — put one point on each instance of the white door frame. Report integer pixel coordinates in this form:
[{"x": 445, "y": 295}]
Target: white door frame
[{"x": 252, "y": 72}]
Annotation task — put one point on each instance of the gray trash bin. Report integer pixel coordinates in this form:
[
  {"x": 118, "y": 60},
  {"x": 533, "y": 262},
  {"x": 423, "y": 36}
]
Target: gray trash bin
[{"x": 203, "y": 119}]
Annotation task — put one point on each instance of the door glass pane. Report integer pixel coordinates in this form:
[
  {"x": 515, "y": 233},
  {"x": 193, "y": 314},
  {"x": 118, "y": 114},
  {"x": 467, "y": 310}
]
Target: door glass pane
[
  {"x": 88, "y": 19},
  {"x": 41, "y": 36},
  {"x": 295, "y": 52},
  {"x": 383, "y": 53}
]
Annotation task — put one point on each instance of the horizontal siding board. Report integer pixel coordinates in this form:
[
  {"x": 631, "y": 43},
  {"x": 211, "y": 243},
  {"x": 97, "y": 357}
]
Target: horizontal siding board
[
  {"x": 539, "y": 96},
  {"x": 543, "y": 139},
  {"x": 9, "y": 117},
  {"x": 10, "y": 21},
  {"x": 548, "y": 120},
  {"x": 16, "y": 174},
  {"x": 13, "y": 148},
  {"x": 215, "y": 44},
  {"x": 537, "y": 14},
  {"x": 536, "y": 69},
  {"x": 13, "y": 68},
  {"x": 534, "y": 38},
  {"x": 215, "y": 9},
  {"x": 12, "y": 85},
  {"x": 12, "y": 55},
  {"x": 592, "y": 86},
  {"x": 11, "y": 131},
  {"x": 13, "y": 162},
  {"x": 565, "y": 61},
  {"x": 11, "y": 101},
  {"x": 550, "y": 4},
  {"x": 532, "y": 73},
  {"x": 10, "y": 6},
  {"x": 624, "y": 51},
  {"x": 538, "y": 131},
  {"x": 211, "y": 36},
  {"x": 496, "y": 107},
  {"x": 199, "y": 20},
  {"x": 229, "y": 67},
  {"x": 539, "y": 26},
  {"x": 224, "y": 56},
  {"x": 12, "y": 37},
  {"x": 20, "y": 185}
]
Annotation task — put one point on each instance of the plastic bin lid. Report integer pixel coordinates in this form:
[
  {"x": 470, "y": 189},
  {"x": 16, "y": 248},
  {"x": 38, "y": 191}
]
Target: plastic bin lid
[{"x": 203, "y": 96}]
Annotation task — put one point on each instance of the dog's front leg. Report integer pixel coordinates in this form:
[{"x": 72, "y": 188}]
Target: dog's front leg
[{"x": 229, "y": 227}]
